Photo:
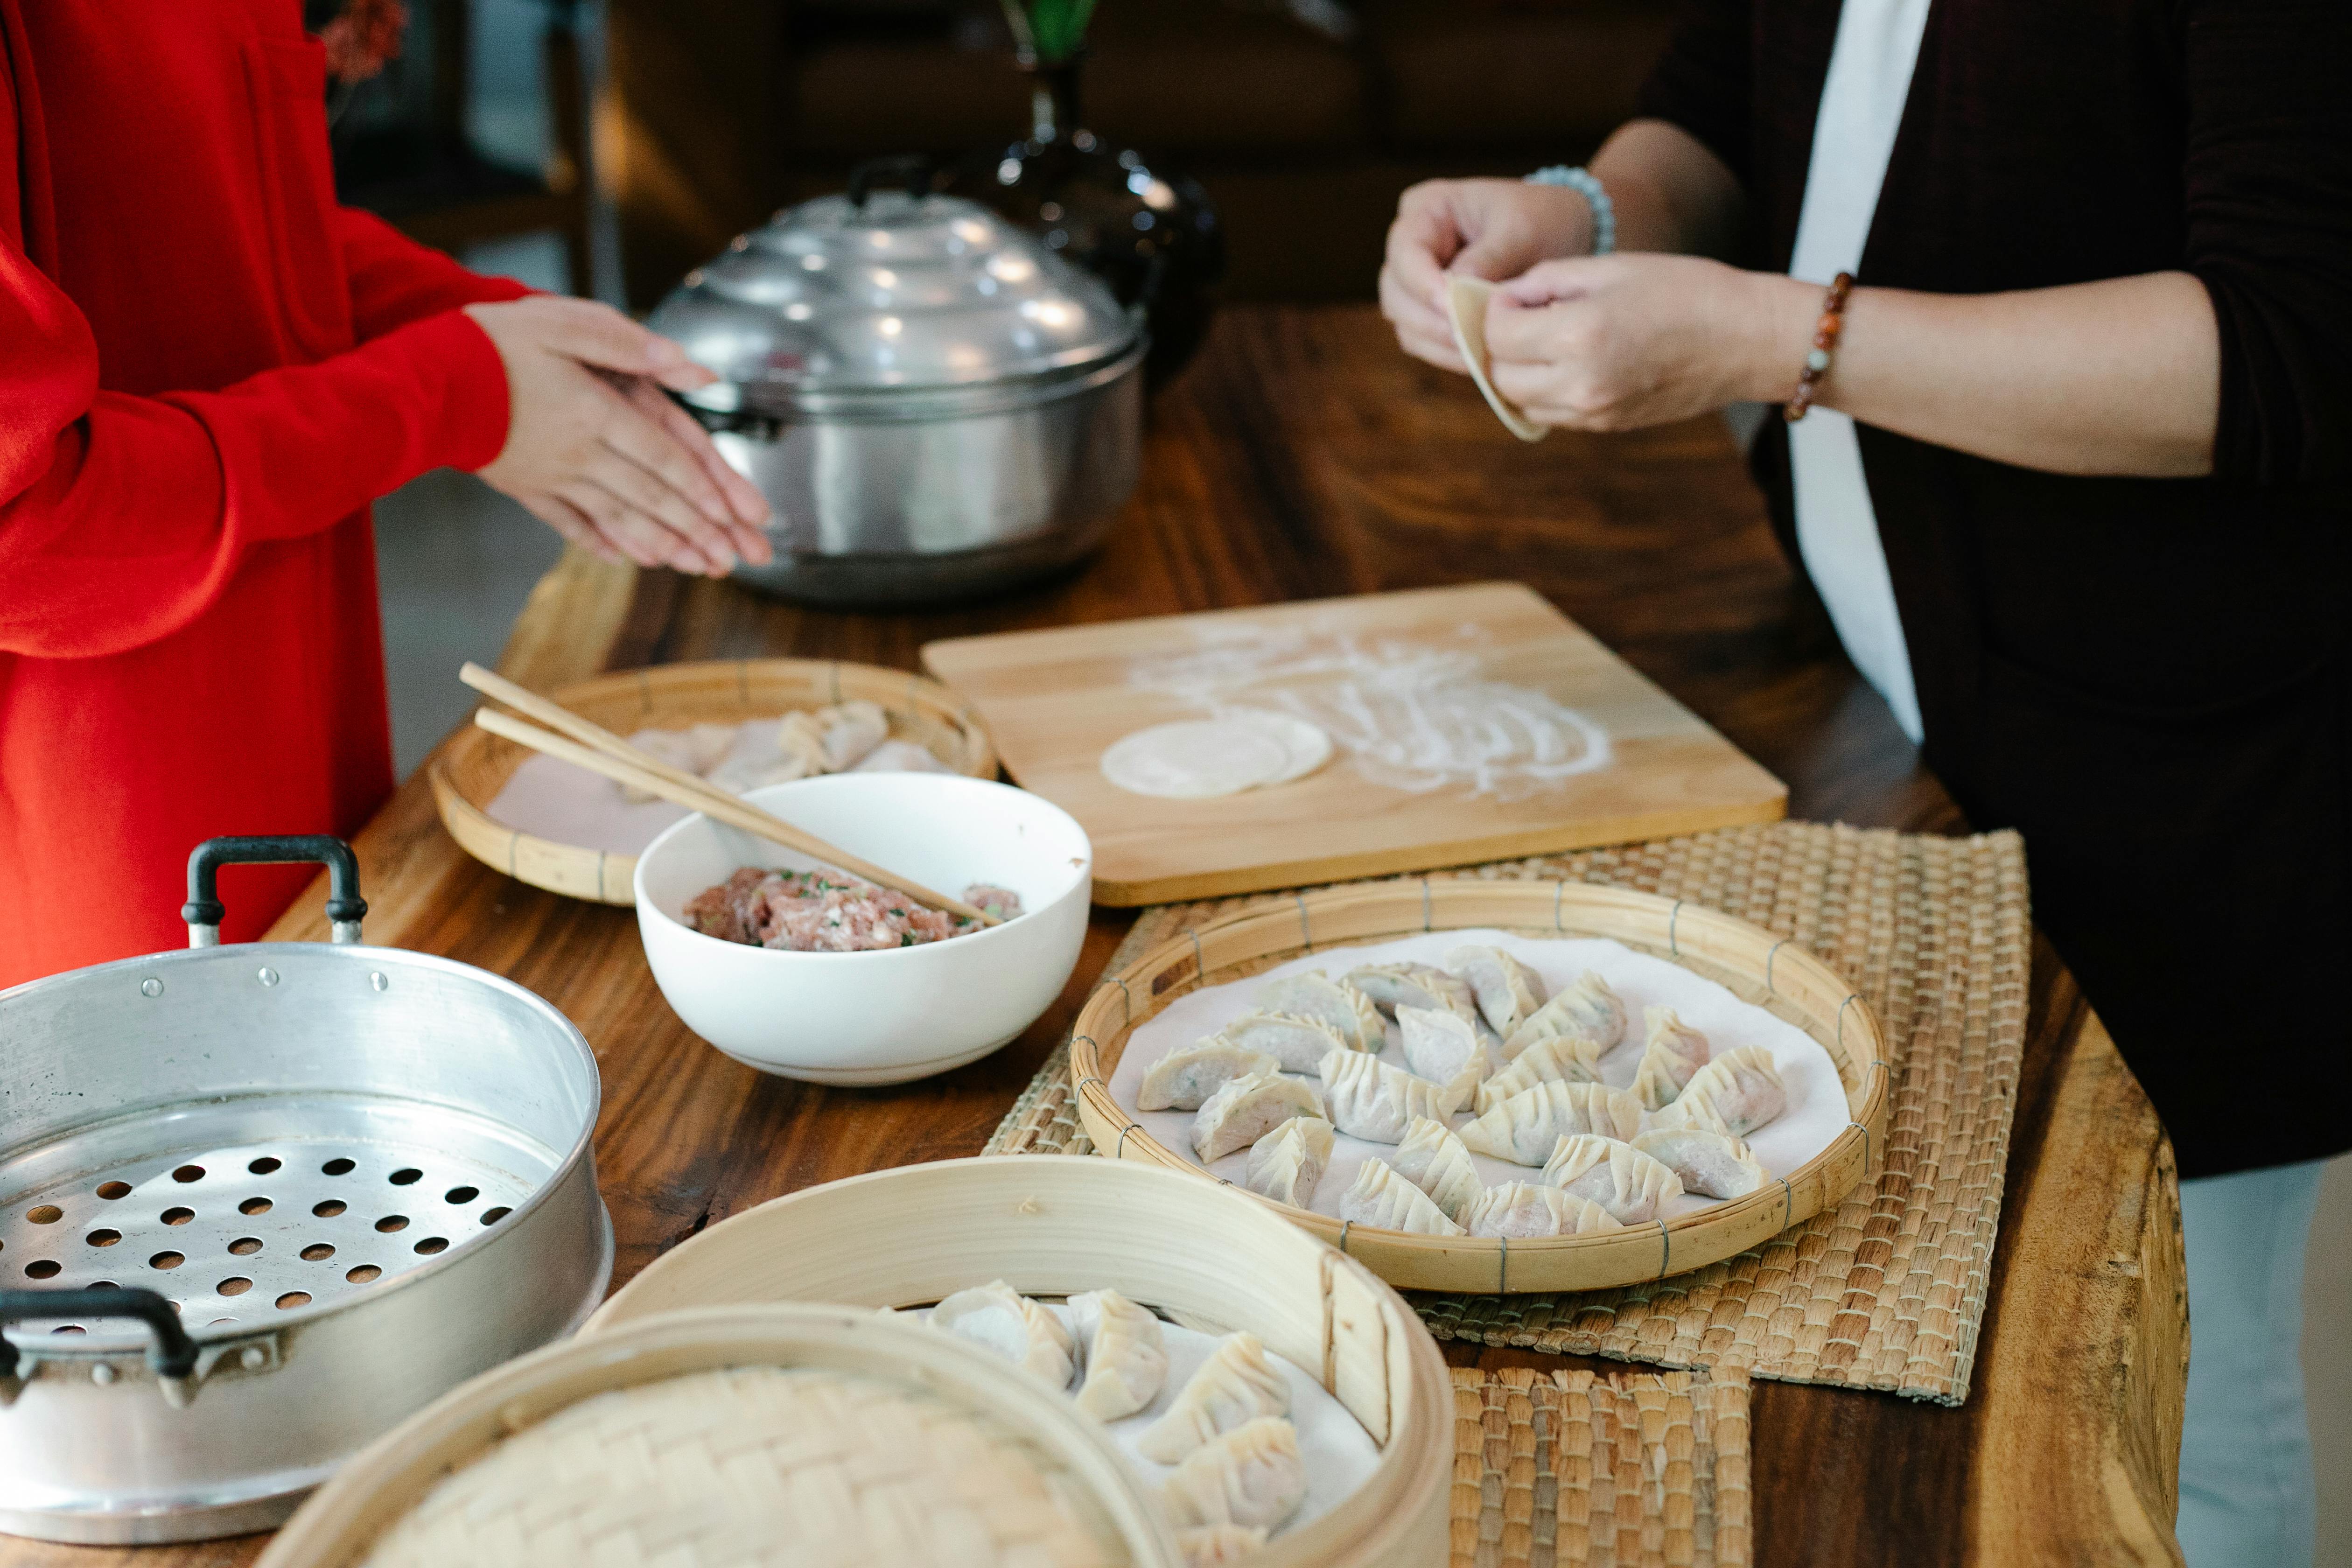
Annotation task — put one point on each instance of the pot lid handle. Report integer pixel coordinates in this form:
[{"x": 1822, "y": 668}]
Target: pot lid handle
[
  {"x": 204, "y": 911},
  {"x": 914, "y": 171},
  {"x": 171, "y": 1355}
]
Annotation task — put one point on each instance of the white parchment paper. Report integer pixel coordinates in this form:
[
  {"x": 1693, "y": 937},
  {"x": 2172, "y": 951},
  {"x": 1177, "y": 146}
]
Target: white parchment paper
[{"x": 1817, "y": 1108}]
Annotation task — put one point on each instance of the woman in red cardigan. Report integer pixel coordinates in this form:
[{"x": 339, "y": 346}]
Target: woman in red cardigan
[{"x": 207, "y": 369}]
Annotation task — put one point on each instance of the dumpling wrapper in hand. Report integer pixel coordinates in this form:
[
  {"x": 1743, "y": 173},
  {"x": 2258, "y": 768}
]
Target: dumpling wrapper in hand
[
  {"x": 1252, "y": 1477},
  {"x": 1238, "y": 1384},
  {"x": 1465, "y": 305}
]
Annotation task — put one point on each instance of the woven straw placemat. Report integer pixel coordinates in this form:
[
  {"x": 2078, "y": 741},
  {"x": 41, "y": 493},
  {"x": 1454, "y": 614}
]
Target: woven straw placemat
[
  {"x": 1611, "y": 1470},
  {"x": 1885, "y": 1291}
]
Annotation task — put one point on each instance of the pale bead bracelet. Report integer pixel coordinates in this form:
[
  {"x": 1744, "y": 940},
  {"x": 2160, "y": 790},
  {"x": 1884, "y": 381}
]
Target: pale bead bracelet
[{"x": 1585, "y": 184}]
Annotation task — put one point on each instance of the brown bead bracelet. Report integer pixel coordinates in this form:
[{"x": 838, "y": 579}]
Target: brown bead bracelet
[{"x": 1825, "y": 341}]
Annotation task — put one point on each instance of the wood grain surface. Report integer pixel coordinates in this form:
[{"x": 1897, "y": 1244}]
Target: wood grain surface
[
  {"x": 1303, "y": 455},
  {"x": 1055, "y": 700}
]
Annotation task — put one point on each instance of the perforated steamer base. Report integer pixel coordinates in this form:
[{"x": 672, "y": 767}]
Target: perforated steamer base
[{"x": 212, "y": 1207}]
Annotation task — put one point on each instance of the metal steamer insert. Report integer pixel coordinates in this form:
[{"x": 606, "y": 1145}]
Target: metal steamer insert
[{"x": 260, "y": 1202}]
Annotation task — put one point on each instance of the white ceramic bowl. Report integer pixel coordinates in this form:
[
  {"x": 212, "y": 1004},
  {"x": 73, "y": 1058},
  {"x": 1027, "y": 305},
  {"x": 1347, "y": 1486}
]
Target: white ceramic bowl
[{"x": 899, "y": 1013}]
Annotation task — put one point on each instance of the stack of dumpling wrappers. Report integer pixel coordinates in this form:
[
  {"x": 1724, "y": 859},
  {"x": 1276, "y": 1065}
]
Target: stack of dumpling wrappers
[
  {"x": 1238, "y": 1474},
  {"x": 1599, "y": 1158}
]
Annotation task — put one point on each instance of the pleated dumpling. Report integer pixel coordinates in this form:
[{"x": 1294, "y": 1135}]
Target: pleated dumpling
[
  {"x": 1238, "y": 1384},
  {"x": 1444, "y": 1047},
  {"x": 1394, "y": 985},
  {"x": 1507, "y": 992},
  {"x": 1432, "y": 1158},
  {"x": 1523, "y": 1210},
  {"x": 1673, "y": 1052},
  {"x": 1219, "y": 1545},
  {"x": 1296, "y": 1041},
  {"x": 1182, "y": 1079},
  {"x": 1736, "y": 1093},
  {"x": 1122, "y": 1351},
  {"x": 1563, "y": 1059},
  {"x": 999, "y": 1317},
  {"x": 1526, "y": 1127},
  {"x": 1246, "y": 1110},
  {"x": 1372, "y": 1100},
  {"x": 1712, "y": 1163},
  {"x": 1630, "y": 1185},
  {"x": 1381, "y": 1197},
  {"x": 1287, "y": 1163},
  {"x": 1335, "y": 1002},
  {"x": 1252, "y": 1477},
  {"x": 1588, "y": 1008}
]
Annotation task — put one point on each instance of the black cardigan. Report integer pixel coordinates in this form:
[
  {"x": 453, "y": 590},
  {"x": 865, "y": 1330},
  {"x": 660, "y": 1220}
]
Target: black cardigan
[{"x": 2149, "y": 678}]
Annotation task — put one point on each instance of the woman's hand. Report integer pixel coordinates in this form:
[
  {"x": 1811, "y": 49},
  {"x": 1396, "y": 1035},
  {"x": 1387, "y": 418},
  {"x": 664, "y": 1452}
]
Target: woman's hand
[
  {"x": 1486, "y": 228},
  {"x": 599, "y": 454},
  {"x": 1615, "y": 343}
]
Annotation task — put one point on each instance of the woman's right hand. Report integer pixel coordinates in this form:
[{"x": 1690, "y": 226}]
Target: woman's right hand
[
  {"x": 597, "y": 452},
  {"x": 1494, "y": 229}
]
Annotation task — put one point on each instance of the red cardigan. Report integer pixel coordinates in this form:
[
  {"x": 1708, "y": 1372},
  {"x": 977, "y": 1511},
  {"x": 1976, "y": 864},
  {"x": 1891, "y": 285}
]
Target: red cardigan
[{"x": 207, "y": 369}]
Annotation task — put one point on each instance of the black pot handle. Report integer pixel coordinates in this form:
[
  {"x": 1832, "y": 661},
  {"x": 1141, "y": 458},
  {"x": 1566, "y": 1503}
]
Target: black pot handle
[
  {"x": 913, "y": 170},
  {"x": 747, "y": 422},
  {"x": 171, "y": 1353},
  {"x": 204, "y": 911}
]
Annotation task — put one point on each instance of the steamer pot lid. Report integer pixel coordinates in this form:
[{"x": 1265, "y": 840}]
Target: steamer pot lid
[{"x": 899, "y": 292}]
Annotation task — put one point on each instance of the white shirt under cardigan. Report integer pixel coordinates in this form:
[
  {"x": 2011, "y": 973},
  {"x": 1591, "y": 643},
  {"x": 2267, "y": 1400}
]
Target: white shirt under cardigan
[{"x": 1837, "y": 529}]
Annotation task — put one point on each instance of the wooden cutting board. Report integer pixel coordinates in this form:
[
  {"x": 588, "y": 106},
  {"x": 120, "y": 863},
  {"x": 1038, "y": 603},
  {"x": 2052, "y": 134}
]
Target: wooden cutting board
[{"x": 1411, "y": 684}]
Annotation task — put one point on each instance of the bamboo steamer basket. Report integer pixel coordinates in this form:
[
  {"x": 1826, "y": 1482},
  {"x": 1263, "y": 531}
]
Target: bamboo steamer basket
[
  {"x": 1051, "y": 1228},
  {"x": 1755, "y": 965},
  {"x": 469, "y": 773},
  {"x": 673, "y": 1441}
]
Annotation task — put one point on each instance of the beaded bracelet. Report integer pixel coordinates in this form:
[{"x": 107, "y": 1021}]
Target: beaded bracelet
[
  {"x": 1825, "y": 339},
  {"x": 1586, "y": 184}
]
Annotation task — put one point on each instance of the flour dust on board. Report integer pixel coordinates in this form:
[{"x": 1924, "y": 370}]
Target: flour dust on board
[{"x": 1410, "y": 715}]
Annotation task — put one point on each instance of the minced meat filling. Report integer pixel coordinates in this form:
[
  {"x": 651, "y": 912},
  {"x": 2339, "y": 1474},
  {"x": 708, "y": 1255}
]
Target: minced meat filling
[{"x": 830, "y": 911}]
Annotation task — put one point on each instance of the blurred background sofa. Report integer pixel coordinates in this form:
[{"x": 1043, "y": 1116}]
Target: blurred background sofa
[{"x": 1303, "y": 121}]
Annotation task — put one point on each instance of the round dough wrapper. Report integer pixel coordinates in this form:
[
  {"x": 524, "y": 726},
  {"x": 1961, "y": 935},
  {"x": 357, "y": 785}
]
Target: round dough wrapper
[
  {"x": 1309, "y": 745},
  {"x": 1196, "y": 760}
]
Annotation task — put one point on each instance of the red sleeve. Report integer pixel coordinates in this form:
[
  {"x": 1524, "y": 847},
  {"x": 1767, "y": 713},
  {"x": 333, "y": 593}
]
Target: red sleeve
[
  {"x": 121, "y": 518},
  {"x": 395, "y": 280}
]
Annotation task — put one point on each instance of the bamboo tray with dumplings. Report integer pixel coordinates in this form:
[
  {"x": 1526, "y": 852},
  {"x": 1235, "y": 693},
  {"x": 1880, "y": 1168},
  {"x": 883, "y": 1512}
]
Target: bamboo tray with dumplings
[
  {"x": 1755, "y": 965},
  {"x": 1205, "y": 1258},
  {"x": 469, "y": 772}
]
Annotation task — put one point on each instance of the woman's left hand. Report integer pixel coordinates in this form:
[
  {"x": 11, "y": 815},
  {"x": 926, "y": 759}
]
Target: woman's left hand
[{"x": 1615, "y": 343}]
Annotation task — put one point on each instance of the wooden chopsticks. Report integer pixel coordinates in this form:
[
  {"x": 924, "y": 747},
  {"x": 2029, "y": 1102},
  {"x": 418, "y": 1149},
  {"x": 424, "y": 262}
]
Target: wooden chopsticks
[{"x": 597, "y": 749}]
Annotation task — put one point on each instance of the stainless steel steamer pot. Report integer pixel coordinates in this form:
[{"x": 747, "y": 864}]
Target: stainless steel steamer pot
[
  {"x": 259, "y": 1203},
  {"x": 935, "y": 406}
]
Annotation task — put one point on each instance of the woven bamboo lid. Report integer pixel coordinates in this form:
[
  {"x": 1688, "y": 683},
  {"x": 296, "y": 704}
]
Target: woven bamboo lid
[{"x": 804, "y": 1435}]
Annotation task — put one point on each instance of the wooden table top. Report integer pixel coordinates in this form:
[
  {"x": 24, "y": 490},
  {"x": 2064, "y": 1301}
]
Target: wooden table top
[{"x": 1303, "y": 455}]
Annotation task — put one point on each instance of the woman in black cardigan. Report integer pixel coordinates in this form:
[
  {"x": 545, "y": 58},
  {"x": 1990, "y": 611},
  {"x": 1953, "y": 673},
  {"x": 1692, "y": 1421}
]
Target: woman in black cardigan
[{"x": 2073, "y": 472}]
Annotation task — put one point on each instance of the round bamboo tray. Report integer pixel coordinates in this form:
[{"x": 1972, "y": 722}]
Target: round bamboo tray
[
  {"x": 469, "y": 773},
  {"x": 1753, "y": 963},
  {"x": 1050, "y": 1228},
  {"x": 682, "y": 1475}
]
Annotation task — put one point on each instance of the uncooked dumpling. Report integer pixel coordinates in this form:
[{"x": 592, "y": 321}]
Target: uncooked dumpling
[
  {"x": 1442, "y": 1047},
  {"x": 1736, "y": 1093},
  {"x": 1297, "y": 1043},
  {"x": 1588, "y": 1008},
  {"x": 1182, "y": 1079},
  {"x": 1526, "y": 1127},
  {"x": 1673, "y": 1053},
  {"x": 1563, "y": 1059},
  {"x": 1712, "y": 1163},
  {"x": 1432, "y": 1158},
  {"x": 1001, "y": 1319},
  {"x": 1287, "y": 1163},
  {"x": 1251, "y": 1475},
  {"x": 1524, "y": 1210},
  {"x": 1372, "y": 1100},
  {"x": 1381, "y": 1197},
  {"x": 1218, "y": 1545},
  {"x": 1335, "y": 1002},
  {"x": 1123, "y": 1352},
  {"x": 1246, "y": 1110},
  {"x": 1394, "y": 985},
  {"x": 1507, "y": 992},
  {"x": 1633, "y": 1186},
  {"x": 1238, "y": 1384}
]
